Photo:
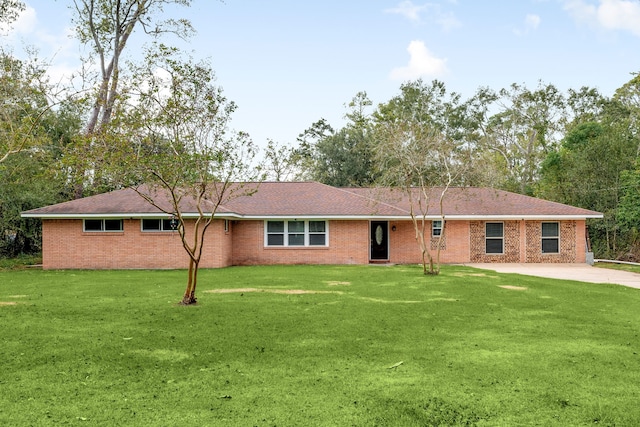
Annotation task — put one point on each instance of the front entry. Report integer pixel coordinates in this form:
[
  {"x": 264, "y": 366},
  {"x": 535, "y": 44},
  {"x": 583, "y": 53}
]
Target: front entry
[{"x": 379, "y": 241}]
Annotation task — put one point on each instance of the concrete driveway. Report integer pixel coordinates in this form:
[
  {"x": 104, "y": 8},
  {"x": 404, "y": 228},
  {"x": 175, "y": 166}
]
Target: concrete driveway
[{"x": 580, "y": 272}]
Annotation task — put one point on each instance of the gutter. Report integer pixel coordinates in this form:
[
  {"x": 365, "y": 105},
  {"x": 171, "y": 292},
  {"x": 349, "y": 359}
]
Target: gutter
[{"x": 227, "y": 215}]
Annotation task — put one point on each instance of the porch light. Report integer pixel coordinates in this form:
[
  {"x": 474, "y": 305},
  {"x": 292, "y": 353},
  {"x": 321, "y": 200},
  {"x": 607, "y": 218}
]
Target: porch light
[{"x": 173, "y": 222}]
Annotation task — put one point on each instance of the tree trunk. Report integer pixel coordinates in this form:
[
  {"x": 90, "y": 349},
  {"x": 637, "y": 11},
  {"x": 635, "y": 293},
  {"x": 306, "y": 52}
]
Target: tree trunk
[
  {"x": 189, "y": 297},
  {"x": 424, "y": 261},
  {"x": 432, "y": 269}
]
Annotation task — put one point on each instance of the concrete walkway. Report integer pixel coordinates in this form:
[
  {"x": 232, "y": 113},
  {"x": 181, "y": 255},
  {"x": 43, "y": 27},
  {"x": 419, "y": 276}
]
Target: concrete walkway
[{"x": 580, "y": 272}]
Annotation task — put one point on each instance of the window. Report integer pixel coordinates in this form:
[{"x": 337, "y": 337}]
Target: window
[
  {"x": 436, "y": 228},
  {"x": 275, "y": 233},
  {"x": 92, "y": 225},
  {"x": 317, "y": 233},
  {"x": 296, "y": 233},
  {"x": 159, "y": 224},
  {"x": 550, "y": 238},
  {"x": 494, "y": 238}
]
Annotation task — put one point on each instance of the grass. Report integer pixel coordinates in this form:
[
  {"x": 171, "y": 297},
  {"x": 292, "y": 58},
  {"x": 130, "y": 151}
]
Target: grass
[
  {"x": 20, "y": 262},
  {"x": 366, "y": 346},
  {"x": 613, "y": 266}
]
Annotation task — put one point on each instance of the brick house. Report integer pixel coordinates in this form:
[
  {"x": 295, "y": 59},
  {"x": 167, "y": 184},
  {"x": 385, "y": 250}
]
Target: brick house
[{"x": 313, "y": 223}]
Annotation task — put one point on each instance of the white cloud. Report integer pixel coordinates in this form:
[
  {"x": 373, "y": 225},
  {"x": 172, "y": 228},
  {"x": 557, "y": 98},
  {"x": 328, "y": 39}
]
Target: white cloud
[
  {"x": 414, "y": 12},
  {"x": 611, "y": 15},
  {"x": 30, "y": 38},
  {"x": 25, "y": 24},
  {"x": 408, "y": 10},
  {"x": 448, "y": 21},
  {"x": 422, "y": 63},
  {"x": 60, "y": 73},
  {"x": 531, "y": 23}
]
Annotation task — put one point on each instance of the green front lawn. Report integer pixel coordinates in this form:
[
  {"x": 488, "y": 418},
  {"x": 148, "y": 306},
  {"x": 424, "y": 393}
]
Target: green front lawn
[
  {"x": 625, "y": 267},
  {"x": 316, "y": 346}
]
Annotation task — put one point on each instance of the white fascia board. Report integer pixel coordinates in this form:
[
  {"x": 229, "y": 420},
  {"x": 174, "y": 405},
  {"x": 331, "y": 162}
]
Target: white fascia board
[
  {"x": 520, "y": 217},
  {"x": 428, "y": 217},
  {"x": 120, "y": 215},
  {"x": 324, "y": 217},
  {"x": 78, "y": 216}
]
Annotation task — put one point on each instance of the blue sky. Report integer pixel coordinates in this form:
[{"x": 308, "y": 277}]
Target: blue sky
[{"x": 288, "y": 63}]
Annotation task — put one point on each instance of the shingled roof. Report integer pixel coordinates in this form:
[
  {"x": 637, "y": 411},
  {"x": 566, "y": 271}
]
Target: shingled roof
[{"x": 312, "y": 199}]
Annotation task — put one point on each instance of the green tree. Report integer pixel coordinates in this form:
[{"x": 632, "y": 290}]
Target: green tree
[
  {"x": 23, "y": 91},
  {"x": 629, "y": 206},
  {"x": 342, "y": 158},
  {"x": 9, "y": 11},
  {"x": 173, "y": 145},
  {"x": 280, "y": 162},
  {"x": 527, "y": 126},
  {"x": 427, "y": 104},
  {"x": 106, "y": 26},
  {"x": 27, "y": 152},
  {"x": 585, "y": 105},
  {"x": 26, "y": 182},
  {"x": 418, "y": 155},
  {"x": 305, "y": 155},
  {"x": 589, "y": 167},
  {"x": 586, "y": 172}
]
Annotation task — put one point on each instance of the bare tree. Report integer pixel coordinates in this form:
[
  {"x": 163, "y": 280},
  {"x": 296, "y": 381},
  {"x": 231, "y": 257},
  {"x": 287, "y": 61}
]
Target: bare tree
[
  {"x": 422, "y": 164},
  {"x": 418, "y": 153},
  {"x": 107, "y": 25}
]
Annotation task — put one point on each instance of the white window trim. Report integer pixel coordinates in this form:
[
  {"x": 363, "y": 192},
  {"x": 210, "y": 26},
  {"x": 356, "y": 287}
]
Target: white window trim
[
  {"x": 557, "y": 237},
  {"x": 307, "y": 233},
  {"x": 103, "y": 230},
  {"x": 434, "y": 228},
  {"x": 493, "y": 238}
]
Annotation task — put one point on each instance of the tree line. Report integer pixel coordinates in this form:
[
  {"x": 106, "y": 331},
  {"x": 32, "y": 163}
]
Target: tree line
[
  {"x": 163, "y": 119},
  {"x": 579, "y": 147}
]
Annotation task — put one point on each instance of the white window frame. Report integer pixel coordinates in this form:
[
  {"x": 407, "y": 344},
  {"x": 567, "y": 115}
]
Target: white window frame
[
  {"x": 103, "y": 228},
  {"x": 493, "y": 238},
  {"x": 439, "y": 227},
  {"x": 286, "y": 233},
  {"x": 543, "y": 237},
  {"x": 162, "y": 229}
]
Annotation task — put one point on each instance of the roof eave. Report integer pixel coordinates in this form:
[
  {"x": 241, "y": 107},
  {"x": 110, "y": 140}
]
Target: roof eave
[
  {"x": 230, "y": 215},
  {"x": 541, "y": 217},
  {"x": 118, "y": 215}
]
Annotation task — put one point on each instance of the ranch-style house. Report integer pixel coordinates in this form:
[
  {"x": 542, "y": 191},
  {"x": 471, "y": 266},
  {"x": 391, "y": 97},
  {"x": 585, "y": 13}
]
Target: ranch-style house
[{"x": 313, "y": 223}]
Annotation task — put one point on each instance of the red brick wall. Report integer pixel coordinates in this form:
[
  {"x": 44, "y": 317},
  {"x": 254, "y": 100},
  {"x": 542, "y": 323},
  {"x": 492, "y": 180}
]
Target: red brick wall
[
  {"x": 511, "y": 244},
  {"x": 404, "y": 248},
  {"x": 569, "y": 243},
  {"x": 65, "y": 245},
  {"x": 523, "y": 243},
  {"x": 348, "y": 244},
  {"x": 581, "y": 241}
]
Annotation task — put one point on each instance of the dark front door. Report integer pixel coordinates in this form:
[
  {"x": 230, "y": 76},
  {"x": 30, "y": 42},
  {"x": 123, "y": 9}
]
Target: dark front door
[{"x": 379, "y": 240}]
